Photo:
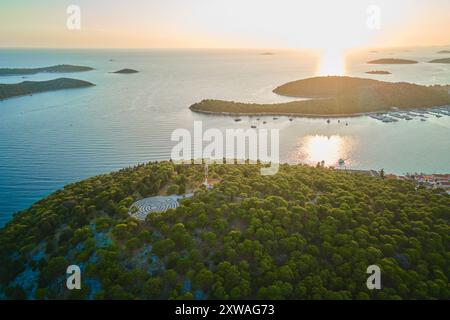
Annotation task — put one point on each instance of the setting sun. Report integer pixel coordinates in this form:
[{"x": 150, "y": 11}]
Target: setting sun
[
  {"x": 331, "y": 62},
  {"x": 321, "y": 24}
]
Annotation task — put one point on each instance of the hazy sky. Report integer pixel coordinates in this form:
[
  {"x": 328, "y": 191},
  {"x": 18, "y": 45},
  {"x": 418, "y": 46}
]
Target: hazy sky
[{"x": 318, "y": 24}]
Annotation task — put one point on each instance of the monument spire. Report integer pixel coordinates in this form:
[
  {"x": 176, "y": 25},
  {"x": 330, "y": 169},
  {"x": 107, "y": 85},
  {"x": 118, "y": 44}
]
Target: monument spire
[{"x": 206, "y": 176}]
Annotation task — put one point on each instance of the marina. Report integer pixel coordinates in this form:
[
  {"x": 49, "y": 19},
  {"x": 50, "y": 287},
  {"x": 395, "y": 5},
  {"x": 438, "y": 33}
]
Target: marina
[{"x": 414, "y": 114}]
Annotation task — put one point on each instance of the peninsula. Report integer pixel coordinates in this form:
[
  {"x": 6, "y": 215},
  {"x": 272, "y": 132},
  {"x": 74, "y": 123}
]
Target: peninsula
[
  {"x": 126, "y": 71},
  {"x": 445, "y": 60},
  {"x": 444, "y": 51},
  {"x": 61, "y": 68},
  {"x": 336, "y": 96},
  {"x": 392, "y": 61},
  {"x": 30, "y": 87},
  {"x": 249, "y": 237}
]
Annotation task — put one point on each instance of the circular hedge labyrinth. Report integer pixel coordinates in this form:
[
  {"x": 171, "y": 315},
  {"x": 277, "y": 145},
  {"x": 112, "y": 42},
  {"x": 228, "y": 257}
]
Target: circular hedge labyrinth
[{"x": 142, "y": 208}]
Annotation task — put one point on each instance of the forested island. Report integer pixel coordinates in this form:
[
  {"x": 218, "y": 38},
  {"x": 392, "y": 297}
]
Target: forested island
[
  {"x": 126, "y": 71},
  {"x": 443, "y": 51},
  {"x": 304, "y": 233},
  {"x": 336, "y": 96},
  {"x": 61, "y": 68},
  {"x": 392, "y": 61},
  {"x": 29, "y": 87},
  {"x": 445, "y": 60},
  {"x": 378, "y": 72}
]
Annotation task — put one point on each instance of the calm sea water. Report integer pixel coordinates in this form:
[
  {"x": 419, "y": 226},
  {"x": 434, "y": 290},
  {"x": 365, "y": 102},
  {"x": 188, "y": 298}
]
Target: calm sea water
[{"x": 50, "y": 139}]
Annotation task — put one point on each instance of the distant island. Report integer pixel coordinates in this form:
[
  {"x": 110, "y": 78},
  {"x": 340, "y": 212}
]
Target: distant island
[
  {"x": 444, "y": 51},
  {"x": 378, "y": 72},
  {"x": 267, "y": 53},
  {"x": 30, "y": 87},
  {"x": 392, "y": 61},
  {"x": 336, "y": 96},
  {"x": 445, "y": 60},
  {"x": 126, "y": 71},
  {"x": 61, "y": 68}
]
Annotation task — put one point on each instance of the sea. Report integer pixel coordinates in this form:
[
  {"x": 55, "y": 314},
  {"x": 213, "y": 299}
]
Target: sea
[{"x": 48, "y": 140}]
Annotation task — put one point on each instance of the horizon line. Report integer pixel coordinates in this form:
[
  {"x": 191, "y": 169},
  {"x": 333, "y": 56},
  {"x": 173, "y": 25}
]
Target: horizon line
[{"x": 222, "y": 48}]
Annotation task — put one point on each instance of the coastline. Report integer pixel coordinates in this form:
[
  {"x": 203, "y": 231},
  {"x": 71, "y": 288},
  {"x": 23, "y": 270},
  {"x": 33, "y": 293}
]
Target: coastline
[
  {"x": 127, "y": 169},
  {"x": 294, "y": 115},
  {"x": 308, "y": 115},
  {"x": 24, "y": 88}
]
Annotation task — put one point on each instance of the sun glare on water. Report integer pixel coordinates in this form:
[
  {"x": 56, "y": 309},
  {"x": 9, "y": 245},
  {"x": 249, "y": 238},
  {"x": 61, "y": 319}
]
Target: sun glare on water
[{"x": 330, "y": 149}]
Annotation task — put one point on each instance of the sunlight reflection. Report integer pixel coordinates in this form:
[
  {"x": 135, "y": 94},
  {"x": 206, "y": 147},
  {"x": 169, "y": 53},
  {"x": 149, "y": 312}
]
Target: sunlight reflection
[
  {"x": 330, "y": 149},
  {"x": 332, "y": 63}
]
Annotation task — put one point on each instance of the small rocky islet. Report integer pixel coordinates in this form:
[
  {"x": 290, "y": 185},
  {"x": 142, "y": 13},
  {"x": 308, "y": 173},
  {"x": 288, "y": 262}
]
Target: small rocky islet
[
  {"x": 125, "y": 71},
  {"x": 392, "y": 61},
  {"x": 444, "y": 60},
  {"x": 378, "y": 72}
]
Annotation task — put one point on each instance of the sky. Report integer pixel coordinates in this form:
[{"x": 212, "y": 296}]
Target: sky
[{"x": 315, "y": 24}]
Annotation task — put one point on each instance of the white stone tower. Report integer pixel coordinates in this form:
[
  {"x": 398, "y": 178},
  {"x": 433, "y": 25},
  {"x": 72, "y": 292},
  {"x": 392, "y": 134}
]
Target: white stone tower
[{"x": 205, "y": 183}]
